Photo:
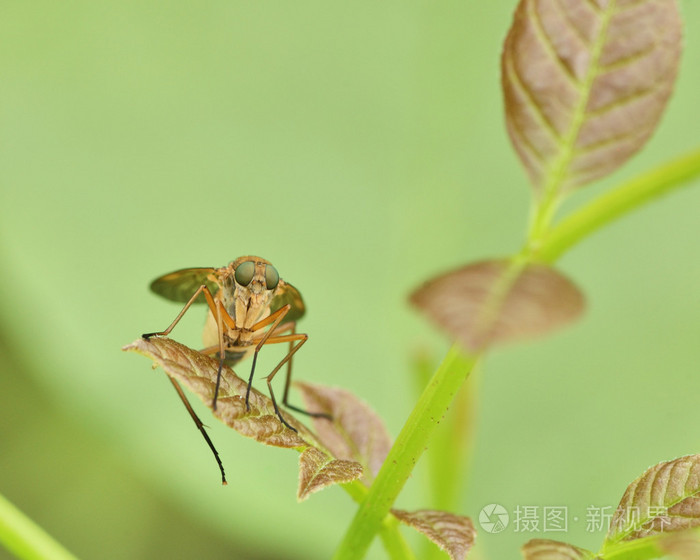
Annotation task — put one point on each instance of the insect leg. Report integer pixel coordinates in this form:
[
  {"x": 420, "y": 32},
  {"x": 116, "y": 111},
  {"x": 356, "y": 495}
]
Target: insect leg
[
  {"x": 210, "y": 302},
  {"x": 220, "y": 312},
  {"x": 274, "y": 318},
  {"x": 200, "y": 427},
  {"x": 221, "y": 317},
  {"x": 210, "y": 351},
  {"x": 277, "y": 410},
  {"x": 288, "y": 382},
  {"x": 300, "y": 339}
]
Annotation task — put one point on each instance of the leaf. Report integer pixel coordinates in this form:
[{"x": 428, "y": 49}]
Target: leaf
[
  {"x": 585, "y": 83},
  {"x": 665, "y": 499},
  {"x": 317, "y": 470},
  {"x": 544, "y": 549},
  {"x": 198, "y": 373},
  {"x": 455, "y": 534},
  {"x": 497, "y": 301},
  {"x": 356, "y": 433}
]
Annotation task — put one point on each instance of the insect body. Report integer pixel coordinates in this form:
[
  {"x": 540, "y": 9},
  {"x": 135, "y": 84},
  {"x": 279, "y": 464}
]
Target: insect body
[{"x": 249, "y": 306}]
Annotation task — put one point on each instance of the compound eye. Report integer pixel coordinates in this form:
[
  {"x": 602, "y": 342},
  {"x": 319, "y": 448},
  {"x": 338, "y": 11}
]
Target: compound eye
[
  {"x": 245, "y": 272},
  {"x": 272, "y": 278}
]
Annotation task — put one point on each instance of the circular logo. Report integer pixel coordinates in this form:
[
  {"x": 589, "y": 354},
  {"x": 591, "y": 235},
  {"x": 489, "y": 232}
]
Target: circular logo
[{"x": 493, "y": 518}]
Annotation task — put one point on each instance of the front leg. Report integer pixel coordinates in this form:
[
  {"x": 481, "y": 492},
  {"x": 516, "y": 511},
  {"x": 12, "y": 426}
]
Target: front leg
[{"x": 275, "y": 319}]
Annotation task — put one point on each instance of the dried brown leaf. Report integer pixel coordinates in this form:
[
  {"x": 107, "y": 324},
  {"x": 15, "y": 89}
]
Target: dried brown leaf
[
  {"x": 491, "y": 301},
  {"x": 585, "y": 83},
  {"x": 455, "y": 534},
  {"x": 544, "y": 549},
  {"x": 317, "y": 470},
  {"x": 665, "y": 499},
  {"x": 356, "y": 433},
  {"x": 198, "y": 372}
]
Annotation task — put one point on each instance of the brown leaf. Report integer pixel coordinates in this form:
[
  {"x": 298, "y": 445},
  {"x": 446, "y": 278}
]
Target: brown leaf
[
  {"x": 543, "y": 549},
  {"x": 492, "y": 301},
  {"x": 198, "y": 373},
  {"x": 317, "y": 470},
  {"x": 356, "y": 433},
  {"x": 455, "y": 534},
  {"x": 665, "y": 499},
  {"x": 585, "y": 83}
]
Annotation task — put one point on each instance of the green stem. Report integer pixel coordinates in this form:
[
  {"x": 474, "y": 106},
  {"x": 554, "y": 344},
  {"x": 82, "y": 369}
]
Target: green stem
[
  {"x": 631, "y": 194},
  {"x": 542, "y": 216},
  {"x": 357, "y": 490},
  {"x": 24, "y": 538},
  {"x": 394, "y": 543},
  {"x": 451, "y": 447},
  {"x": 406, "y": 451},
  {"x": 393, "y": 540}
]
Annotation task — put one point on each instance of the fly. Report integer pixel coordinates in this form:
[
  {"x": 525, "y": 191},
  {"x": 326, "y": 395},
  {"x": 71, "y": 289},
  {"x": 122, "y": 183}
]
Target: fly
[{"x": 250, "y": 306}]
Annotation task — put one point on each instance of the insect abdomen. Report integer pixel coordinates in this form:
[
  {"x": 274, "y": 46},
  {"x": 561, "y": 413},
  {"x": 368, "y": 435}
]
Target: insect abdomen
[{"x": 233, "y": 357}]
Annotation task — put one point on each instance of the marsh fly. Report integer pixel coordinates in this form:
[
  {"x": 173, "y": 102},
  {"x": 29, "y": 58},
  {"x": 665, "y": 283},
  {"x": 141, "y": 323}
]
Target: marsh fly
[{"x": 250, "y": 306}]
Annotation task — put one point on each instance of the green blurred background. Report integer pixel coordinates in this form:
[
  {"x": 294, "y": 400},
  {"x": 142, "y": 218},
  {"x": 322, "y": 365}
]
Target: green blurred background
[{"x": 361, "y": 148}]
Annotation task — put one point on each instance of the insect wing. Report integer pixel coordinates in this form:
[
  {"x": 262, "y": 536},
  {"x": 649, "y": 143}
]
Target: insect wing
[
  {"x": 182, "y": 284},
  {"x": 288, "y": 294}
]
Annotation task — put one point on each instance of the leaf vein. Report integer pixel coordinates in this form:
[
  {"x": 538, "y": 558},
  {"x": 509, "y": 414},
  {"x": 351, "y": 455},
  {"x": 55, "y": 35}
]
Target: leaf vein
[
  {"x": 572, "y": 25},
  {"x": 687, "y": 478},
  {"x": 595, "y": 7},
  {"x": 560, "y": 169},
  {"x": 627, "y": 61},
  {"x": 535, "y": 108},
  {"x": 600, "y": 111},
  {"x": 546, "y": 42},
  {"x": 680, "y": 516},
  {"x": 629, "y": 6},
  {"x": 607, "y": 142},
  {"x": 527, "y": 144}
]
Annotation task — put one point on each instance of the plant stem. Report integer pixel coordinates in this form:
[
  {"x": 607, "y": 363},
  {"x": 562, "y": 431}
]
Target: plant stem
[
  {"x": 451, "y": 447},
  {"x": 24, "y": 538},
  {"x": 629, "y": 195},
  {"x": 406, "y": 451},
  {"x": 393, "y": 540},
  {"x": 542, "y": 216},
  {"x": 394, "y": 543}
]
